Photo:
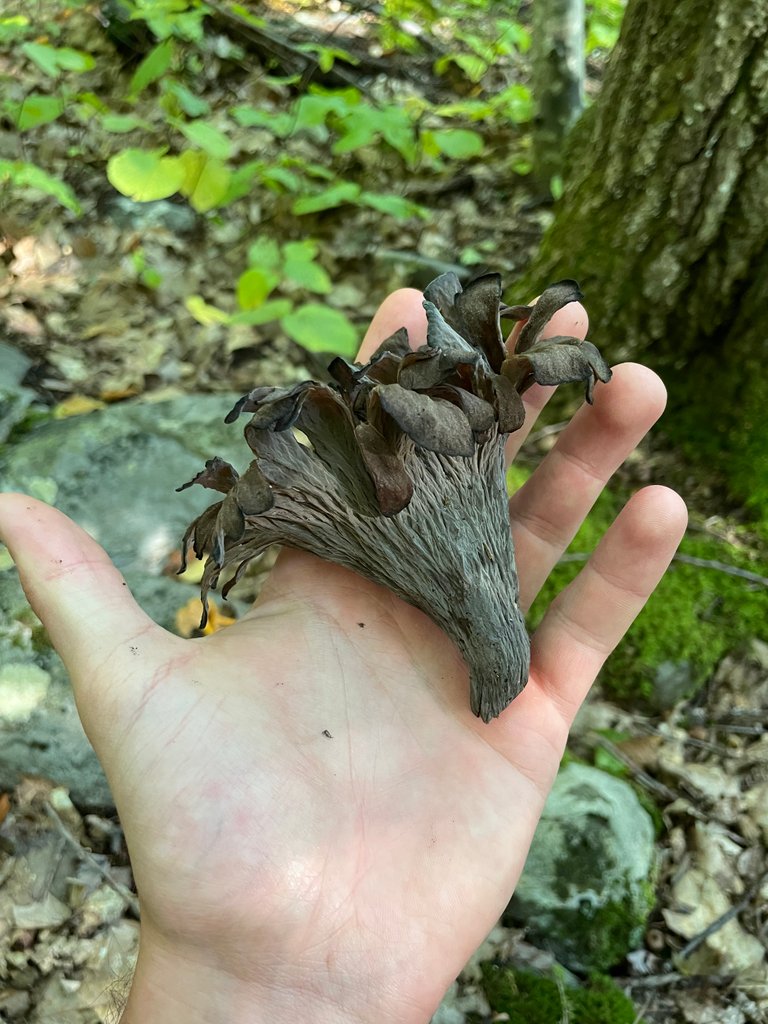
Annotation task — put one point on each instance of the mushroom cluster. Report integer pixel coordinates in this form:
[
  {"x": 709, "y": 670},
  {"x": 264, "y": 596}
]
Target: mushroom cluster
[{"x": 395, "y": 469}]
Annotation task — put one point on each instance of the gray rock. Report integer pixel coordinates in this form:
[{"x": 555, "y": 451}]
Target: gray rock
[
  {"x": 14, "y": 399},
  {"x": 114, "y": 472},
  {"x": 588, "y": 883}
]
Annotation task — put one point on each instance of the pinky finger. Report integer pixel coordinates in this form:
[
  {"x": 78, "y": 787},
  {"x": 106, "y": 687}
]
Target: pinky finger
[{"x": 586, "y": 621}]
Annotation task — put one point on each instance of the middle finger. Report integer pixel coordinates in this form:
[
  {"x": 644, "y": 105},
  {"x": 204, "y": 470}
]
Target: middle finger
[{"x": 548, "y": 509}]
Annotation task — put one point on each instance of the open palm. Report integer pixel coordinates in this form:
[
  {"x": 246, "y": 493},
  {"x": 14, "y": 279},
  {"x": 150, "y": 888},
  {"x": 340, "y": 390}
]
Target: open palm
[{"x": 317, "y": 823}]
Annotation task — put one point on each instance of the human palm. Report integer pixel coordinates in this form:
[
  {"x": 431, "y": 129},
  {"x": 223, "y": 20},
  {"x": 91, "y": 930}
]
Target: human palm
[{"x": 316, "y": 820}]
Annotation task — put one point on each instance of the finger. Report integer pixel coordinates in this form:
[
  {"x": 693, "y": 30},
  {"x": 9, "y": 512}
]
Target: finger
[
  {"x": 70, "y": 582},
  {"x": 573, "y": 321},
  {"x": 549, "y": 508},
  {"x": 586, "y": 621},
  {"x": 402, "y": 308}
]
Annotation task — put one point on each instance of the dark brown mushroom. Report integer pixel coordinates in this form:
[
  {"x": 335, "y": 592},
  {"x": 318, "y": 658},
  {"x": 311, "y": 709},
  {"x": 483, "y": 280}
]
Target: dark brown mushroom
[{"x": 403, "y": 479}]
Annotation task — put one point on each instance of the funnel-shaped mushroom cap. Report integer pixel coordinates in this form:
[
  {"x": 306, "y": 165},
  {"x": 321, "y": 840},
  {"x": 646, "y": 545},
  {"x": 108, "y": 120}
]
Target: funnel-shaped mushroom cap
[{"x": 402, "y": 479}]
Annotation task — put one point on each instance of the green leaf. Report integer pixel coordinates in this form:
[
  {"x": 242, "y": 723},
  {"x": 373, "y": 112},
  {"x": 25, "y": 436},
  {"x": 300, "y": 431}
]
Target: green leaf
[
  {"x": 145, "y": 175},
  {"x": 241, "y": 181},
  {"x": 119, "y": 124},
  {"x": 52, "y": 59},
  {"x": 250, "y": 117},
  {"x": 272, "y": 310},
  {"x": 395, "y": 206},
  {"x": 204, "y": 313},
  {"x": 253, "y": 287},
  {"x": 273, "y": 175},
  {"x": 516, "y": 103},
  {"x": 17, "y": 172},
  {"x": 13, "y": 27},
  {"x": 264, "y": 253},
  {"x": 154, "y": 66},
  {"x": 206, "y": 181},
  {"x": 301, "y": 268},
  {"x": 204, "y": 135},
  {"x": 458, "y": 143},
  {"x": 36, "y": 110},
  {"x": 192, "y": 105},
  {"x": 337, "y": 195},
  {"x": 321, "y": 329}
]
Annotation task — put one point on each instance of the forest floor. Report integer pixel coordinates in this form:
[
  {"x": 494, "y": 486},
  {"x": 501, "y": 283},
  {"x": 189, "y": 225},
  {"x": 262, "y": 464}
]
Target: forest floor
[{"x": 121, "y": 301}]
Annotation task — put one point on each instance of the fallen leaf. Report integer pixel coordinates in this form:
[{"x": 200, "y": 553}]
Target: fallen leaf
[
  {"x": 76, "y": 405},
  {"x": 188, "y": 618}
]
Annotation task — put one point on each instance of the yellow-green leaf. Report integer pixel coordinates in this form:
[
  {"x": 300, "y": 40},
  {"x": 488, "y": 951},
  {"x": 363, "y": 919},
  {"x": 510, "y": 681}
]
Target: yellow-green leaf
[
  {"x": 321, "y": 329},
  {"x": 253, "y": 287},
  {"x": 204, "y": 313},
  {"x": 145, "y": 175}
]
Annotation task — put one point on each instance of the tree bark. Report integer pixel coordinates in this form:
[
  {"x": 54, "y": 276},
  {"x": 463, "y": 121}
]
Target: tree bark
[
  {"x": 558, "y": 79},
  {"x": 664, "y": 219}
]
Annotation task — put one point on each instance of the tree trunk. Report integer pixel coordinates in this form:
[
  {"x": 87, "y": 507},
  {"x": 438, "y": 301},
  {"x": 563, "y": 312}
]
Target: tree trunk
[
  {"x": 664, "y": 220},
  {"x": 558, "y": 80}
]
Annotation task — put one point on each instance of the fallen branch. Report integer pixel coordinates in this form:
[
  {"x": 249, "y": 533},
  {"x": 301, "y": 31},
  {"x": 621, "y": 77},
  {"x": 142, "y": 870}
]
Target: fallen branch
[
  {"x": 89, "y": 858},
  {"x": 702, "y": 563}
]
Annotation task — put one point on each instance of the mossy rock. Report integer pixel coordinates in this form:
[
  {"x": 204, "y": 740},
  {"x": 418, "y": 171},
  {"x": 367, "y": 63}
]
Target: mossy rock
[
  {"x": 695, "y": 617},
  {"x": 587, "y": 887},
  {"x": 529, "y": 998}
]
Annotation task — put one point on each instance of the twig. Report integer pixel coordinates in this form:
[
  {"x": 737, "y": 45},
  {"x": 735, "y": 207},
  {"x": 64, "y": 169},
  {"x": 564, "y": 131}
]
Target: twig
[
  {"x": 718, "y": 923},
  {"x": 702, "y": 563},
  {"x": 731, "y": 570},
  {"x": 640, "y": 776},
  {"x": 87, "y": 856}
]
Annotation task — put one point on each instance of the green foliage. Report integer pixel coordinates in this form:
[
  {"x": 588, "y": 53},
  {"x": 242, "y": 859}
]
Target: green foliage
[
  {"x": 53, "y": 60},
  {"x": 529, "y": 998},
  {"x": 26, "y": 175},
  {"x": 294, "y": 266},
  {"x": 603, "y": 24}
]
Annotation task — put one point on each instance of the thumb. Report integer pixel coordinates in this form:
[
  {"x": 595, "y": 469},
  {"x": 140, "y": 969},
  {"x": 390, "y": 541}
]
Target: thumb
[{"x": 71, "y": 584}]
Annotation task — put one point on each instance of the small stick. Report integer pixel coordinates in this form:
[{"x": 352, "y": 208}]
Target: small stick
[{"x": 87, "y": 856}]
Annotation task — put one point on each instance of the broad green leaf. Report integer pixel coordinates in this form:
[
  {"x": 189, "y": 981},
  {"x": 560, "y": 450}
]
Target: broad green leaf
[
  {"x": 206, "y": 180},
  {"x": 253, "y": 287},
  {"x": 119, "y": 124},
  {"x": 458, "y": 143},
  {"x": 54, "y": 59},
  {"x": 264, "y": 253},
  {"x": 337, "y": 195},
  {"x": 321, "y": 329},
  {"x": 13, "y": 27},
  {"x": 397, "y": 129},
  {"x": 154, "y": 66},
  {"x": 301, "y": 268},
  {"x": 516, "y": 103},
  {"x": 250, "y": 117},
  {"x": 395, "y": 206},
  {"x": 145, "y": 175},
  {"x": 192, "y": 105},
  {"x": 19, "y": 173},
  {"x": 204, "y": 313},
  {"x": 273, "y": 175},
  {"x": 204, "y": 135},
  {"x": 36, "y": 110},
  {"x": 272, "y": 310}
]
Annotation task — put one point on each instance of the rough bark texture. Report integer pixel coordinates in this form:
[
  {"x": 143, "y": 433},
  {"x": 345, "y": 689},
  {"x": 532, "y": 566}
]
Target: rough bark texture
[{"x": 664, "y": 221}]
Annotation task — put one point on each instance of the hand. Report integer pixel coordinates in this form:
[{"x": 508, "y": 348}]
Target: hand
[{"x": 284, "y": 873}]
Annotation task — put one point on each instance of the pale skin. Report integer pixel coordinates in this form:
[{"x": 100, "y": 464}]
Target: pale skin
[{"x": 287, "y": 875}]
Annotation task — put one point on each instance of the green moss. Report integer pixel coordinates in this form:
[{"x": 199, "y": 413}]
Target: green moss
[
  {"x": 695, "y": 617},
  {"x": 528, "y": 998}
]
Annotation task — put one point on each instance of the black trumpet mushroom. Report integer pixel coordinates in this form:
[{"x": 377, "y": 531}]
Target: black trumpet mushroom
[{"x": 400, "y": 472}]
